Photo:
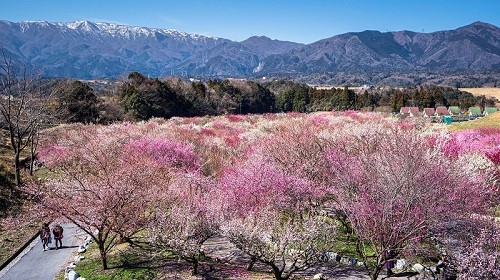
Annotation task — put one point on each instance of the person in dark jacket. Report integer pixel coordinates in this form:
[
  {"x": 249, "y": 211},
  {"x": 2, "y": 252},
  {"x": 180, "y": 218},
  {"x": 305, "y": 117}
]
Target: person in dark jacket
[
  {"x": 45, "y": 236},
  {"x": 57, "y": 230},
  {"x": 390, "y": 261}
]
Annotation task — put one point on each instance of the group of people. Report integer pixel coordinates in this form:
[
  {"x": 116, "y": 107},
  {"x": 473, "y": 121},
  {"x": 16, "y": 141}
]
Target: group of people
[{"x": 46, "y": 237}]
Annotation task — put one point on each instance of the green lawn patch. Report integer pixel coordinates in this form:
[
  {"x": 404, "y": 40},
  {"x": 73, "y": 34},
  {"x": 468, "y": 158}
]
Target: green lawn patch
[
  {"x": 492, "y": 120},
  {"x": 124, "y": 263},
  {"x": 346, "y": 245}
]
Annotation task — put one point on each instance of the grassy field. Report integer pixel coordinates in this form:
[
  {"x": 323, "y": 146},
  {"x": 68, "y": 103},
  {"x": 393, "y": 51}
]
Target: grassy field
[
  {"x": 493, "y": 92},
  {"x": 488, "y": 121},
  {"x": 12, "y": 240}
]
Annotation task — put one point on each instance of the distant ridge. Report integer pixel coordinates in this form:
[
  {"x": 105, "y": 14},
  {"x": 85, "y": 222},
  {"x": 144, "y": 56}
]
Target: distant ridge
[{"x": 85, "y": 49}]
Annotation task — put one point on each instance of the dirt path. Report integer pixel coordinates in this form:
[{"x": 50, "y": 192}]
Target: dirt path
[{"x": 221, "y": 249}]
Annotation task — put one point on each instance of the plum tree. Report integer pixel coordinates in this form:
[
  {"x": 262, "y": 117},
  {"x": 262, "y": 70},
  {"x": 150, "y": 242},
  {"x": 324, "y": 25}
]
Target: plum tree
[
  {"x": 395, "y": 186},
  {"x": 267, "y": 213}
]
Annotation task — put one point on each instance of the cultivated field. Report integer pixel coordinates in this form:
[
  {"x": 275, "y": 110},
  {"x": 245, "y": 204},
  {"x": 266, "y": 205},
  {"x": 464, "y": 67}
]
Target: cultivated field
[{"x": 494, "y": 92}]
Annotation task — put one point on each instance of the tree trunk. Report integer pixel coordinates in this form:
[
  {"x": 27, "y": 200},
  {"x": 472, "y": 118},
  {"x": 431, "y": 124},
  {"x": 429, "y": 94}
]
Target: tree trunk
[
  {"x": 32, "y": 154},
  {"x": 195, "y": 266},
  {"x": 375, "y": 272},
  {"x": 104, "y": 257},
  {"x": 278, "y": 274},
  {"x": 362, "y": 253},
  {"x": 17, "y": 167},
  {"x": 252, "y": 262},
  {"x": 32, "y": 167}
]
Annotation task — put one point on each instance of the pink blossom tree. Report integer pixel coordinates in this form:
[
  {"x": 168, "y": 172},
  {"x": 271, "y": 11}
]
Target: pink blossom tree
[
  {"x": 268, "y": 214},
  {"x": 395, "y": 186},
  {"x": 105, "y": 181},
  {"x": 296, "y": 148},
  {"x": 480, "y": 259},
  {"x": 178, "y": 221},
  {"x": 477, "y": 254},
  {"x": 485, "y": 142}
]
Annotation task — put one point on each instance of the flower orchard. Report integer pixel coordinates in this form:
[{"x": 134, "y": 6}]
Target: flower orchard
[{"x": 275, "y": 185}]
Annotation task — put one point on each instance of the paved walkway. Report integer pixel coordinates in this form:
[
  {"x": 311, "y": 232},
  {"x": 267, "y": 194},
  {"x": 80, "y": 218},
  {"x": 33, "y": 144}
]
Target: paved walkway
[{"x": 35, "y": 264}]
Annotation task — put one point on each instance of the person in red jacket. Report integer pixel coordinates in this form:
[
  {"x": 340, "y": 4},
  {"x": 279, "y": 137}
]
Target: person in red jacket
[{"x": 57, "y": 230}]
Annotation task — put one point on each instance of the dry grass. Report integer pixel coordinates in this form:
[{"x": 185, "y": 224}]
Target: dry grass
[
  {"x": 11, "y": 202},
  {"x": 492, "y": 92},
  {"x": 12, "y": 240}
]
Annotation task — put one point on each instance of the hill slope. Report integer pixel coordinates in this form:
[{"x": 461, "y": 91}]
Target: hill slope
[{"x": 473, "y": 47}]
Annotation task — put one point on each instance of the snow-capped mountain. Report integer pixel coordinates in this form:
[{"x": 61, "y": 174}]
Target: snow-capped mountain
[
  {"x": 84, "y": 49},
  {"x": 129, "y": 32}
]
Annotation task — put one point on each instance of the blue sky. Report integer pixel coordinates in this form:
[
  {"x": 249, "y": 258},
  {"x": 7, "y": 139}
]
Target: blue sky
[{"x": 293, "y": 20}]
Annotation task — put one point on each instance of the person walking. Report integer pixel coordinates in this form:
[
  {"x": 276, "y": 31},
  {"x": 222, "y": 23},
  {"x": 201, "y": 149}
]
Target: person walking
[
  {"x": 390, "y": 261},
  {"x": 45, "y": 236},
  {"x": 57, "y": 230}
]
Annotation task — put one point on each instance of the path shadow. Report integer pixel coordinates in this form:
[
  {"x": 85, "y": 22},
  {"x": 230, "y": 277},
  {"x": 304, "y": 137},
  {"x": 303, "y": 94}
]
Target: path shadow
[
  {"x": 144, "y": 256},
  {"x": 208, "y": 269},
  {"x": 64, "y": 247},
  {"x": 333, "y": 270},
  {"x": 402, "y": 274}
]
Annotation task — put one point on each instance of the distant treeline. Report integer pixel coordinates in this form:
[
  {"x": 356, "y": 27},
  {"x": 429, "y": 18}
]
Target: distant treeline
[
  {"x": 449, "y": 79},
  {"x": 392, "y": 99},
  {"x": 141, "y": 98}
]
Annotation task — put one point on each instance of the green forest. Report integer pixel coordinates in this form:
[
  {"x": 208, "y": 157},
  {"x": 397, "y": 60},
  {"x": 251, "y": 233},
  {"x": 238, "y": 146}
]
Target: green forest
[{"x": 140, "y": 98}]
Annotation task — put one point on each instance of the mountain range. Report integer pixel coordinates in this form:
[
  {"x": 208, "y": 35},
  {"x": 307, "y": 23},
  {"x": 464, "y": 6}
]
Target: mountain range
[{"x": 84, "y": 49}]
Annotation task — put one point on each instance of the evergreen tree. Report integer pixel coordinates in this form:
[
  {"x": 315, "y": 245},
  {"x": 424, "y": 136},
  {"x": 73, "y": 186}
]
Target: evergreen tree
[
  {"x": 144, "y": 98},
  {"x": 76, "y": 102},
  {"x": 347, "y": 99},
  {"x": 294, "y": 99},
  {"x": 398, "y": 100}
]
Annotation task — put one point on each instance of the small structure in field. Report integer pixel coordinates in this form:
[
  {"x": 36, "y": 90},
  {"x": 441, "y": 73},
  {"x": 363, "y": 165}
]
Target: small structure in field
[
  {"x": 429, "y": 112},
  {"x": 455, "y": 113},
  {"x": 409, "y": 111},
  {"x": 442, "y": 111},
  {"x": 474, "y": 112},
  {"x": 404, "y": 110},
  {"x": 489, "y": 110},
  {"x": 454, "y": 110}
]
